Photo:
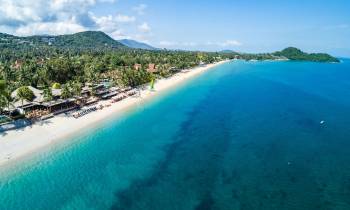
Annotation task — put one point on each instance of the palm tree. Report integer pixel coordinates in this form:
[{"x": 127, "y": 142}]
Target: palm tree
[
  {"x": 66, "y": 92},
  {"x": 48, "y": 97},
  {"x": 77, "y": 88},
  {"x": 2, "y": 86},
  {"x": 3, "y": 102},
  {"x": 8, "y": 99},
  {"x": 42, "y": 75},
  {"x": 90, "y": 73},
  {"x": 48, "y": 94},
  {"x": 24, "y": 93},
  {"x": 3, "y": 95}
]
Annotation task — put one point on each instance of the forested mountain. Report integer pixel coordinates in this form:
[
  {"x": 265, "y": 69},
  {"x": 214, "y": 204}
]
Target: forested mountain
[
  {"x": 293, "y": 53},
  {"x": 82, "y": 41},
  {"x": 136, "y": 45}
]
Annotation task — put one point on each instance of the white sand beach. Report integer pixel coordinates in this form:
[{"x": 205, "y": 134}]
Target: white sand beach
[{"x": 17, "y": 144}]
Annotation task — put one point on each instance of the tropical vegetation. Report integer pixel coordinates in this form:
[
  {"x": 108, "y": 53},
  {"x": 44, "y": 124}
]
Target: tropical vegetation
[
  {"x": 293, "y": 53},
  {"x": 67, "y": 62}
]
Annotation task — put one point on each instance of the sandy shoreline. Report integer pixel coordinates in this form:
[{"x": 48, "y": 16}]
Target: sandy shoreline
[{"x": 17, "y": 144}]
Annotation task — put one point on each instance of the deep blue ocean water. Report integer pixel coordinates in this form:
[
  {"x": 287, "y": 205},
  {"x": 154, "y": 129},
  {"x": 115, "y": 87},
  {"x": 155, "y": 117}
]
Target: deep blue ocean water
[{"x": 245, "y": 136}]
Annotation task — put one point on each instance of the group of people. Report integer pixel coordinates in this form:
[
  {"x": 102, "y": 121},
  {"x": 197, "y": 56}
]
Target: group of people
[{"x": 36, "y": 114}]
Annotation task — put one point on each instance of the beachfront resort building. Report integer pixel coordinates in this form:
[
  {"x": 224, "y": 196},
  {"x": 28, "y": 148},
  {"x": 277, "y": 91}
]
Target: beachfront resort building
[{"x": 38, "y": 107}]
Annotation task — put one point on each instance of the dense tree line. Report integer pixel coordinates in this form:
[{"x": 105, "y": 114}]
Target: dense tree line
[
  {"x": 41, "y": 71},
  {"x": 46, "y": 68}
]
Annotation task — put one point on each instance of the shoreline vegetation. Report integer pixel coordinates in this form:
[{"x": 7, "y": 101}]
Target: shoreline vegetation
[
  {"x": 290, "y": 53},
  {"x": 17, "y": 144},
  {"x": 44, "y": 80}
]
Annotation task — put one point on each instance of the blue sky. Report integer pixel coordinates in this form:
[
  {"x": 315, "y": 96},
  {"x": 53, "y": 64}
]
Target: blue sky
[{"x": 249, "y": 26}]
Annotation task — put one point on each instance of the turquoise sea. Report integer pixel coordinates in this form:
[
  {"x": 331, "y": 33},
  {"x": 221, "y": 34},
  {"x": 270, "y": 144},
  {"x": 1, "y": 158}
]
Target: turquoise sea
[{"x": 244, "y": 136}]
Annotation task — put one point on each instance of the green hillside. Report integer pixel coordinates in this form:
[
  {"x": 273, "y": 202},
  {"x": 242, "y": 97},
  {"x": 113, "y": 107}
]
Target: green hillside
[
  {"x": 82, "y": 40},
  {"x": 293, "y": 53}
]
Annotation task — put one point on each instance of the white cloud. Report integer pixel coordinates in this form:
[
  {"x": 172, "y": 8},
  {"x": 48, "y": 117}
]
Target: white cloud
[
  {"x": 70, "y": 5},
  {"x": 140, "y": 9},
  {"x": 119, "y": 34},
  {"x": 29, "y": 17},
  {"x": 110, "y": 23},
  {"x": 144, "y": 27},
  {"x": 18, "y": 12},
  {"x": 229, "y": 43},
  {"x": 107, "y": 23},
  {"x": 54, "y": 28},
  {"x": 124, "y": 18}
]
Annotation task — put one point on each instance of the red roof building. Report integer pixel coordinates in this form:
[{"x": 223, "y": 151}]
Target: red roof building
[
  {"x": 137, "y": 66},
  {"x": 152, "y": 68}
]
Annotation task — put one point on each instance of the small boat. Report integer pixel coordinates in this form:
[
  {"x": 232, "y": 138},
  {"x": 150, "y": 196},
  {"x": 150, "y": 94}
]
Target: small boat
[{"x": 322, "y": 122}]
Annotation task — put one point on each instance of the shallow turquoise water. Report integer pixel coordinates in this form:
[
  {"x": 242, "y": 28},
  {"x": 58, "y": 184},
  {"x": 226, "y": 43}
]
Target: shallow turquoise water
[{"x": 245, "y": 136}]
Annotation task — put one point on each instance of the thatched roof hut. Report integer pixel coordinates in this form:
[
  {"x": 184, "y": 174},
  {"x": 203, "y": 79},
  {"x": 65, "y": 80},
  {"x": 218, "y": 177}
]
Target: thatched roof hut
[{"x": 38, "y": 97}]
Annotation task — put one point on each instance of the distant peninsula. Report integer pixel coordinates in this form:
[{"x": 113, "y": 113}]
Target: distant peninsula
[
  {"x": 293, "y": 53},
  {"x": 290, "y": 53},
  {"x": 14, "y": 47}
]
